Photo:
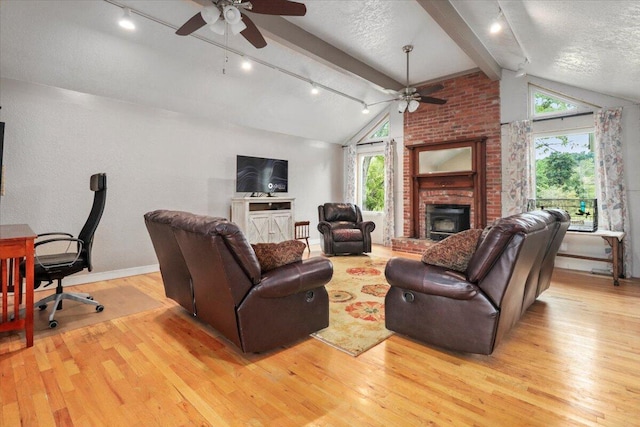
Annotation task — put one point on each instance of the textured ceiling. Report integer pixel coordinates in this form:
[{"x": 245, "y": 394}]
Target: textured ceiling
[
  {"x": 353, "y": 47},
  {"x": 594, "y": 45}
]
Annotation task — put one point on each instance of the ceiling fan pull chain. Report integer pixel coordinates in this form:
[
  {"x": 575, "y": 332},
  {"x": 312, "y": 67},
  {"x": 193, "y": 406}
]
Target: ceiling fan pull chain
[{"x": 226, "y": 51}]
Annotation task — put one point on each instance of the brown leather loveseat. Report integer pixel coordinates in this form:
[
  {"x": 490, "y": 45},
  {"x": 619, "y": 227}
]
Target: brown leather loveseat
[
  {"x": 473, "y": 311},
  {"x": 211, "y": 270},
  {"x": 342, "y": 230}
]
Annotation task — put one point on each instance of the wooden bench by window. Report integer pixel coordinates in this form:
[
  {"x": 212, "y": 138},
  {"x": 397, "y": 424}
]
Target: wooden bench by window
[{"x": 302, "y": 232}]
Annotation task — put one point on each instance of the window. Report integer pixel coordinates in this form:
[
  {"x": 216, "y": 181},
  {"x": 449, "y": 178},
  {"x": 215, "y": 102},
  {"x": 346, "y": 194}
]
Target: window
[
  {"x": 565, "y": 165},
  {"x": 371, "y": 169},
  {"x": 545, "y": 103},
  {"x": 372, "y": 182},
  {"x": 382, "y": 131}
]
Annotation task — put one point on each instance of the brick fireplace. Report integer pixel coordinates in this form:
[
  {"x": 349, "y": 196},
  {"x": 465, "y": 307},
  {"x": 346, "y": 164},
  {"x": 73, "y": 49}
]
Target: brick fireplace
[{"x": 472, "y": 113}]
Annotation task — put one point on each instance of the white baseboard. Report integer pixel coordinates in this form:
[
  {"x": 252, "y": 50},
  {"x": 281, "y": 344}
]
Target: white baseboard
[{"x": 107, "y": 275}]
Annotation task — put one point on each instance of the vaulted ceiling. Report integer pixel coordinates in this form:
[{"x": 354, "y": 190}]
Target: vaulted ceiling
[{"x": 351, "y": 49}]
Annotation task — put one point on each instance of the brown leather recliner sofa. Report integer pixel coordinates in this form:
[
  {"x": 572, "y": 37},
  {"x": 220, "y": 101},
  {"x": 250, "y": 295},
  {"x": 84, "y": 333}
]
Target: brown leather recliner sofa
[
  {"x": 342, "y": 230},
  {"x": 473, "y": 311},
  {"x": 211, "y": 270}
]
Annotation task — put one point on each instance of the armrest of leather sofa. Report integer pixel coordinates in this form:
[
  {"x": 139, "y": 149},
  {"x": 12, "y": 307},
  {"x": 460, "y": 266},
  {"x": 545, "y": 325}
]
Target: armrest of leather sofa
[
  {"x": 414, "y": 275},
  {"x": 324, "y": 227},
  {"x": 296, "y": 277}
]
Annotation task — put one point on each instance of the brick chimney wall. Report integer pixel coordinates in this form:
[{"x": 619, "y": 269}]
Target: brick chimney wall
[{"x": 472, "y": 110}]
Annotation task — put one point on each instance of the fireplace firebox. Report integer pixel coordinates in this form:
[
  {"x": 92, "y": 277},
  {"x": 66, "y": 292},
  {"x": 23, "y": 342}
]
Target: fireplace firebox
[{"x": 445, "y": 220}]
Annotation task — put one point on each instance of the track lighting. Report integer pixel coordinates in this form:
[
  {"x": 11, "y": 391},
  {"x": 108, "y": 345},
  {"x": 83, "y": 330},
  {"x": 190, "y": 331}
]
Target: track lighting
[
  {"x": 216, "y": 22},
  {"x": 246, "y": 65},
  {"x": 521, "y": 71},
  {"x": 496, "y": 24},
  {"x": 314, "y": 89},
  {"x": 126, "y": 22}
]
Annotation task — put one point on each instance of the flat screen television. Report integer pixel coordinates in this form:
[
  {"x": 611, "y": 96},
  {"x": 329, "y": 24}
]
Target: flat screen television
[{"x": 260, "y": 175}]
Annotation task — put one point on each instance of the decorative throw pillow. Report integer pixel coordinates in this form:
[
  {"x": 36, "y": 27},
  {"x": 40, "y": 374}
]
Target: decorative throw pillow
[
  {"x": 455, "y": 251},
  {"x": 274, "y": 255}
]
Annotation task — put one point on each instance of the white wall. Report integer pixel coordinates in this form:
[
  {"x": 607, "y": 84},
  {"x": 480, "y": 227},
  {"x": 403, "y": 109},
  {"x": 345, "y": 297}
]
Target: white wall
[
  {"x": 154, "y": 159},
  {"x": 514, "y": 106}
]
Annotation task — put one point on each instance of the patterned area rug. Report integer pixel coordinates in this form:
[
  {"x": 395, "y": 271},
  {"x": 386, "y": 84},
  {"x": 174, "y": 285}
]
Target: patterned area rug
[{"x": 356, "y": 304}]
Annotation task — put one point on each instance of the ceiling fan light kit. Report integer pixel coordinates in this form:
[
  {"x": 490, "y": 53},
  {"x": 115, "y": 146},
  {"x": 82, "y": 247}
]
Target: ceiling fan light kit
[
  {"x": 232, "y": 15},
  {"x": 222, "y": 12},
  {"x": 409, "y": 98},
  {"x": 210, "y": 14},
  {"x": 218, "y": 27}
]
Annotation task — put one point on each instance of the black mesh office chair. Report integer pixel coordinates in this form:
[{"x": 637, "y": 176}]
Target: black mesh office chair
[{"x": 57, "y": 266}]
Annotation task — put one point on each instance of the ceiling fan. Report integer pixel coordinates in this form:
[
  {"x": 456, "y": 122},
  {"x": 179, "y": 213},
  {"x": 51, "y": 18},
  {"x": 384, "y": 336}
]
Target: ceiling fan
[
  {"x": 409, "y": 98},
  {"x": 223, "y": 13}
]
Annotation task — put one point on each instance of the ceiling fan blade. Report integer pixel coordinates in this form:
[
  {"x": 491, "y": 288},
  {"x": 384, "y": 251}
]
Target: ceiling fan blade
[
  {"x": 278, "y": 7},
  {"x": 195, "y": 23},
  {"x": 252, "y": 34},
  {"x": 430, "y": 100},
  {"x": 431, "y": 89}
]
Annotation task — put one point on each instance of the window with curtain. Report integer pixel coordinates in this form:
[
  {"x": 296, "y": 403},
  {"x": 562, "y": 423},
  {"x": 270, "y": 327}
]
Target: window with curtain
[
  {"x": 565, "y": 165},
  {"x": 563, "y": 150},
  {"x": 371, "y": 169}
]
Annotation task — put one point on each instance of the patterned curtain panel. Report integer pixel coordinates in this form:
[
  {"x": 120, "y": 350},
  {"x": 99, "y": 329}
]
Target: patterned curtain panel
[
  {"x": 612, "y": 209},
  {"x": 350, "y": 175},
  {"x": 517, "y": 173},
  {"x": 388, "y": 232}
]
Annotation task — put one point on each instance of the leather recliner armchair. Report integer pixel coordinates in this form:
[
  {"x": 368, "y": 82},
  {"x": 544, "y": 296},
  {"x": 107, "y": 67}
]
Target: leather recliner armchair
[
  {"x": 342, "y": 230},
  {"x": 471, "y": 311},
  {"x": 254, "y": 310}
]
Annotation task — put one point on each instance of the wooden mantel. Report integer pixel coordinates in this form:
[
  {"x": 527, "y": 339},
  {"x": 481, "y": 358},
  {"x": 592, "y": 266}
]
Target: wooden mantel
[{"x": 472, "y": 179}]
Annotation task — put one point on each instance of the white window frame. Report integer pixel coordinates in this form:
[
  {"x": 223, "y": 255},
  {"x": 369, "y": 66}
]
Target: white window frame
[
  {"x": 581, "y": 106},
  {"x": 566, "y": 126},
  {"x": 369, "y": 146}
]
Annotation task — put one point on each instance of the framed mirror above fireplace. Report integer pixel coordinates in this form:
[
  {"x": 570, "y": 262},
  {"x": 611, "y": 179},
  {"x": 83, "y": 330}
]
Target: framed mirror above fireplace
[
  {"x": 447, "y": 173},
  {"x": 446, "y": 160}
]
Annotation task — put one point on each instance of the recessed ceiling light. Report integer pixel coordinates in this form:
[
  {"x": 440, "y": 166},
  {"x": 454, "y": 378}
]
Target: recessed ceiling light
[
  {"x": 246, "y": 65},
  {"x": 314, "y": 89}
]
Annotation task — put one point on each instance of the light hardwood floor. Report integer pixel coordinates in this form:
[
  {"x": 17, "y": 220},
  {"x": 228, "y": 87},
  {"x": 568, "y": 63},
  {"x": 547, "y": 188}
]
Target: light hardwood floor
[{"x": 574, "y": 359}]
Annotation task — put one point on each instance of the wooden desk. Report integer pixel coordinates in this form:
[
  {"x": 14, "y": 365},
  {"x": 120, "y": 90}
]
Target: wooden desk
[
  {"x": 615, "y": 240},
  {"x": 16, "y": 244}
]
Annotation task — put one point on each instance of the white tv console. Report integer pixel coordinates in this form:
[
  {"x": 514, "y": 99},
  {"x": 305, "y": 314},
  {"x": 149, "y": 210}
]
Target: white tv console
[{"x": 264, "y": 219}]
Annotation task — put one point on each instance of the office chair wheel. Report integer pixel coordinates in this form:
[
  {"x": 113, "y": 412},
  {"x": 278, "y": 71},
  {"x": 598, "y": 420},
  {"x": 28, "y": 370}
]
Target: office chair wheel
[
  {"x": 99, "y": 308},
  {"x": 42, "y": 307},
  {"x": 53, "y": 323}
]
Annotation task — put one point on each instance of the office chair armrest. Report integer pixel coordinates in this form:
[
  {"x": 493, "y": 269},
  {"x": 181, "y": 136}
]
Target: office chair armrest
[
  {"x": 59, "y": 239},
  {"x": 56, "y": 233}
]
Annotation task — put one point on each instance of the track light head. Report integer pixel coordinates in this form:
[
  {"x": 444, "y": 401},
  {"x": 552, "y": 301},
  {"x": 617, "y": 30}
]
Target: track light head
[
  {"x": 126, "y": 22},
  {"x": 496, "y": 24}
]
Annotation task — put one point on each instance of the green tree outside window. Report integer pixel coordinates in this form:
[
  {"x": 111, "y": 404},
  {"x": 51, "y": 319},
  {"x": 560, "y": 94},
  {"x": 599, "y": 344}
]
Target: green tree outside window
[{"x": 373, "y": 183}]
